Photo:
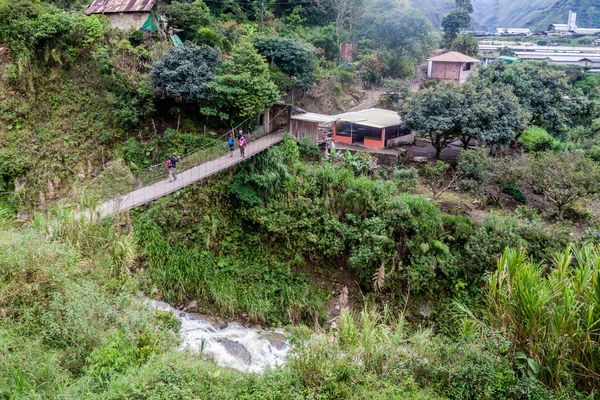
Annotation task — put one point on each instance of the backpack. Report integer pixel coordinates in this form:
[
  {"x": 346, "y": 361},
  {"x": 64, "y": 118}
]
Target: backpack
[
  {"x": 168, "y": 163},
  {"x": 242, "y": 142}
]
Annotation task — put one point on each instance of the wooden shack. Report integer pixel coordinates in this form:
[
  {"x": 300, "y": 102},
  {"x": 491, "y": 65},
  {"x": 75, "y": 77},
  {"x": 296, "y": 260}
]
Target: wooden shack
[
  {"x": 315, "y": 126},
  {"x": 125, "y": 14}
]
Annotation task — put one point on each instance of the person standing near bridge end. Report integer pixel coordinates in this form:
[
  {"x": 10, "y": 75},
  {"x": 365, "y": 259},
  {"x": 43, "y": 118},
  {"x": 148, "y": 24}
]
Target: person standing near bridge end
[
  {"x": 242, "y": 144},
  {"x": 231, "y": 144},
  {"x": 172, "y": 165}
]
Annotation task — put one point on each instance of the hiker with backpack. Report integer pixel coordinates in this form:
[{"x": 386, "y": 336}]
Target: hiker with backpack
[
  {"x": 172, "y": 166},
  {"x": 242, "y": 144},
  {"x": 231, "y": 144}
]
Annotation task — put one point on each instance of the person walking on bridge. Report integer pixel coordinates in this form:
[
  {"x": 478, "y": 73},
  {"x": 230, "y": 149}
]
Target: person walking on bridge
[
  {"x": 231, "y": 144},
  {"x": 172, "y": 165},
  {"x": 242, "y": 144}
]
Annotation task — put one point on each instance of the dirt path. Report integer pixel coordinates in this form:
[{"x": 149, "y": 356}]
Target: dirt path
[{"x": 371, "y": 99}]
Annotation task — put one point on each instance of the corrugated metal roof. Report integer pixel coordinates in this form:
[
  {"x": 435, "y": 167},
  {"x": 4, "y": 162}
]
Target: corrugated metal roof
[
  {"x": 120, "y": 6},
  {"x": 314, "y": 117},
  {"x": 454, "y": 56},
  {"x": 373, "y": 117}
]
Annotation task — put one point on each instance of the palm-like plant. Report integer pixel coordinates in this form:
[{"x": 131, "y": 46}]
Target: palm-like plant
[{"x": 553, "y": 316}]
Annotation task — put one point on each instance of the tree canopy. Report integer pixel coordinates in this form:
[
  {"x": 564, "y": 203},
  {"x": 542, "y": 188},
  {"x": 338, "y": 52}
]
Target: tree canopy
[
  {"x": 293, "y": 57},
  {"x": 242, "y": 88},
  {"x": 185, "y": 72}
]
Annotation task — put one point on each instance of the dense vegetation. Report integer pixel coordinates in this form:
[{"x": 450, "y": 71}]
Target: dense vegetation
[{"x": 474, "y": 279}]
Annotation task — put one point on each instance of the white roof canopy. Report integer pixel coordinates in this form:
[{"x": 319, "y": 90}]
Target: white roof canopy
[
  {"x": 373, "y": 117},
  {"x": 314, "y": 117}
]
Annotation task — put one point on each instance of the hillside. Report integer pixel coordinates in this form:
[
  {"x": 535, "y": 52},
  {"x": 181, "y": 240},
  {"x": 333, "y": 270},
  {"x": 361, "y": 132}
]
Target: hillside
[{"x": 534, "y": 14}]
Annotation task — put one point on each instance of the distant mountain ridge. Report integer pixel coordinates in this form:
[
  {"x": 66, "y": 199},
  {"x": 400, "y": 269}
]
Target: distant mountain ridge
[{"x": 533, "y": 14}]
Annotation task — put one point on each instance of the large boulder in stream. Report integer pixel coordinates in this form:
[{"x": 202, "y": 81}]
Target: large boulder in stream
[
  {"x": 276, "y": 339},
  {"x": 236, "y": 349}
]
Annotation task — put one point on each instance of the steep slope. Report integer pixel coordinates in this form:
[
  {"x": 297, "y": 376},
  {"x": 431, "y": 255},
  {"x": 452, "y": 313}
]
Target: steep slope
[{"x": 533, "y": 14}]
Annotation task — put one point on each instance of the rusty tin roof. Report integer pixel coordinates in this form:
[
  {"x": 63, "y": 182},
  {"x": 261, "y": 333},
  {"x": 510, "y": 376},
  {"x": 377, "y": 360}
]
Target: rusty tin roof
[{"x": 120, "y": 6}]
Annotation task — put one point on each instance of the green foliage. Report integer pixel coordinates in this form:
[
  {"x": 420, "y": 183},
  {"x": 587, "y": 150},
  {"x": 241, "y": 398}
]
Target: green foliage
[
  {"x": 453, "y": 22},
  {"x": 28, "y": 27},
  {"x": 564, "y": 178},
  {"x": 549, "y": 317},
  {"x": 189, "y": 16},
  {"x": 265, "y": 175},
  {"x": 543, "y": 91},
  {"x": 497, "y": 233},
  {"x": 398, "y": 28},
  {"x": 292, "y": 57},
  {"x": 243, "y": 89},
  {"x": 370, "y": 70},
  {"x": 515, "y": 192},
  {"x": 208, "y": 37},
  {"x": 185, "y": 72},
  {"x": 308, "y": 150},
  {"x": 536, "y": 139},
  {"x": 473, "y": 167},
  {"x": 466, "y": 44}
]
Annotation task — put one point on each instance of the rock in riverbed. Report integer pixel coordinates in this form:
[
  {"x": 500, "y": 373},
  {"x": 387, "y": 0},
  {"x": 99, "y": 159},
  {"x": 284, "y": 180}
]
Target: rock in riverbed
[{"x": 236, "y": 349}]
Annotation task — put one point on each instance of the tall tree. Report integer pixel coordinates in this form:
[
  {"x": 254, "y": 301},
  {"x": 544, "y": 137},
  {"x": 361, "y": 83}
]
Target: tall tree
[
  {"x": 243, "y": 88},
  {"x": 543, "y": 90},
  {"x": 399, "y": 29},
  {"x": 491, "y": 114},
  {"x": 457, "y": 19},
  {"x": 435, "y": 113},
  {"x": 185, "y": 72}
]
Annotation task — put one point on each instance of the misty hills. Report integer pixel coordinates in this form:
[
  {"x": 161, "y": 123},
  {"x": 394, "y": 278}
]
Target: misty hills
[{"x": 533, "y": 14}]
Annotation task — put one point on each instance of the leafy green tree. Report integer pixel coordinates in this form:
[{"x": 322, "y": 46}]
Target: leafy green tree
[
  {"x": 184, "y": 73},
  {"x": 543, "y": 90},
  {"x": 466, "y": 44},
  {"x": 465, "y": 5},
  {"x": 453, "y": 22},
  {"x": 293, "y": 57},
  {"x": 208, "y": 37},
  {"x": 507, "y": 52},
  {"x": 243, "y": 87},
  {"x": 369, "y": 69},
  {"x": 188, "y": 16},
  {"x": 491, "y": 114},
  {"x": 564, "y": 178},
  {"x": 435, "y": 113},
  {"x": 398, "y": 28}
]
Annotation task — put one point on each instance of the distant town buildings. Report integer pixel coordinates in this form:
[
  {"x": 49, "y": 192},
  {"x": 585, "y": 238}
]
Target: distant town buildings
[
  {"x": 513, "y": 31},
  {"x": 571, "y": 27}
]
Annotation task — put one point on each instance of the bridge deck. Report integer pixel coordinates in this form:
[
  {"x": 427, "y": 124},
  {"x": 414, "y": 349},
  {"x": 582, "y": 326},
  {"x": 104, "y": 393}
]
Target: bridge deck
[{"x": 184, "y": 178}]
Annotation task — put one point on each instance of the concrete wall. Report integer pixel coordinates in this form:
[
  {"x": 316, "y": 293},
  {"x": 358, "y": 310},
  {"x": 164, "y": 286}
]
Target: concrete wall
[{"x": 126, "y": 21}]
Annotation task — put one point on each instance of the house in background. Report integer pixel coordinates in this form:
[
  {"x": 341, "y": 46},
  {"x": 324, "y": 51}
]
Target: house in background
[
  {"x": 453, "y": 66},
  {"x": 126, "y": 14}
]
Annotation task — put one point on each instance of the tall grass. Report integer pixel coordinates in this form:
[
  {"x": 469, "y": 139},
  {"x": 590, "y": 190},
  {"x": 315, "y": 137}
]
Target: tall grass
[
  {"x": 265, "y": 290},
  {"x": 552, "y": 315}
]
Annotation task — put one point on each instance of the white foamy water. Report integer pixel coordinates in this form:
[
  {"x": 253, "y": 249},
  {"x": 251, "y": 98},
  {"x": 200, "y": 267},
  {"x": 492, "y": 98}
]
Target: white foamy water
[{"x": 235, "y": 346}]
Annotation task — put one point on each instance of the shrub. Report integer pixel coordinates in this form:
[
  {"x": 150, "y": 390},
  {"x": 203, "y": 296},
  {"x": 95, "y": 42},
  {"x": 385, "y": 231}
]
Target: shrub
[
  {"x": 473, "y": 167},
  {"x": 189, "y": 16},
  {"x": 185, "y": 72},
  {"x": 293, "y": 57},
  {"x": 515, "y": 192},
  {"x": 536, "y": 139},
  {"x": 308, "y": 150},
  {"x": 208, "y": 37}
]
